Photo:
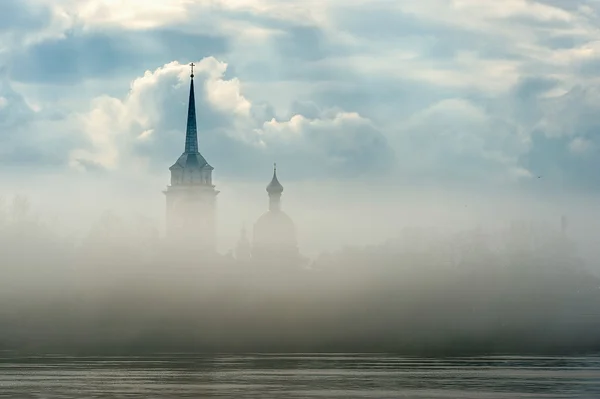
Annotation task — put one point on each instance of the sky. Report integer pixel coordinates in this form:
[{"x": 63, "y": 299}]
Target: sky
[{"x": 482, "y": 96}]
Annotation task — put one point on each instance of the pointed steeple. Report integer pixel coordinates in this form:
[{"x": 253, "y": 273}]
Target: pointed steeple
[
  {"x": 191, "y": 134},
  {"x": 191, "y": 160}
]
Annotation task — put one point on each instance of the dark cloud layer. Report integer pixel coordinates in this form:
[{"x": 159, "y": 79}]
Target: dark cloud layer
[
  {"x": 22, "y": 15},
  {"x": 103, "y": 54}
]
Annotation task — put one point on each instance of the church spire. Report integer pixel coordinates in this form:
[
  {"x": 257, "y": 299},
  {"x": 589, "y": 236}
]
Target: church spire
[{"x": 191, "y": 134}]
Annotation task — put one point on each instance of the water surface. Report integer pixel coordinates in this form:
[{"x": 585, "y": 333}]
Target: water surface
[{"x": 297, "y": 376}]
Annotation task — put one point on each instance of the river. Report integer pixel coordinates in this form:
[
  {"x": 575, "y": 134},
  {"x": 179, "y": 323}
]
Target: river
[{"x": 297, "y": 376}]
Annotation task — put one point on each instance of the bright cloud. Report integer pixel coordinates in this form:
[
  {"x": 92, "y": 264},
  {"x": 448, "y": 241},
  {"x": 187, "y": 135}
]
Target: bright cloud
[{"x": 125, "y": 133}]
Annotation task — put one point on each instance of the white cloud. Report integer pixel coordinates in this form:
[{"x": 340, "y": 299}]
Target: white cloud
[
  {"x": 510, "y": 8},
  {"x": 332, "y": 127},
  {"x": 144, "y": 14},
  {"x": 131, "y": 14},
  {"x": 580, "y": 145},
  {"x": 225, "y": 95},
  {"x": 104, "y": 126},
  {"x": 3, "y": 102},
  {"x": 156, "y": 105},
  {"x": 113, "y": 125},
  {"x": 458, "y": 138}
]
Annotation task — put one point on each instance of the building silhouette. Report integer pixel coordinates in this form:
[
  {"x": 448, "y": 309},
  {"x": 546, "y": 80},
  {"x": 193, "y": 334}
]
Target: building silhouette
[
  {"x": 274, "y": 235},
  {"x": 191, "y": 196}
]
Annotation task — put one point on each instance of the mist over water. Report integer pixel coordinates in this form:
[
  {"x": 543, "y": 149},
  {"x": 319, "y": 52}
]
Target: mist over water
[{"x": 418, "y": 273}]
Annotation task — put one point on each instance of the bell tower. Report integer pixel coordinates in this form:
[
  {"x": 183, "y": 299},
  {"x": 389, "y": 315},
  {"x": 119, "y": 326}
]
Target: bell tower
[{"x": 191, "y": 196}]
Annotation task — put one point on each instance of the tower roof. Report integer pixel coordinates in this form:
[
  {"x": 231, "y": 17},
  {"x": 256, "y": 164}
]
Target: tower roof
[
  {"x": 274, "y": 186},
  {"x": 191, "y": 161},
  {"x": 191, "y": 157}
]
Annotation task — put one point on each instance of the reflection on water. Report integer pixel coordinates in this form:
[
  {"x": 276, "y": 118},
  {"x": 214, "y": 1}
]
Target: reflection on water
[{"x": 298, "y": 376}]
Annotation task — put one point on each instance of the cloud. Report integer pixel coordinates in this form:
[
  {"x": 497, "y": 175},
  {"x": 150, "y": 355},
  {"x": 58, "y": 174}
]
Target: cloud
[
  {"x": 343, "y": 144},
  {"x": 25, "y": 22},
  {"x": 27, "y": 139},
  {"x": 21, "y": 15},
  {"x": 461, "y": 141},
  {"x": 14, "y": 111},
  {"x": 134, "y": 14},
  {"x": 438, "y": 90},
  {"x": 82, "y": 54},
  {"x": 145, "y": 130},
  {"x": 580, "y": 145}
]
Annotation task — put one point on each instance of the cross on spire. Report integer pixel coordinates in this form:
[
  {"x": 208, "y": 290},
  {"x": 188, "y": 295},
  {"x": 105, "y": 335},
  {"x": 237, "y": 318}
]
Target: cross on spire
[{"x": 192, "y": 65}]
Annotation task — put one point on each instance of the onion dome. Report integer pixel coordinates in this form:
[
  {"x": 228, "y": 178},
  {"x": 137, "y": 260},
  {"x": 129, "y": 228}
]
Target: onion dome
[{"x": 274, "y": 187}]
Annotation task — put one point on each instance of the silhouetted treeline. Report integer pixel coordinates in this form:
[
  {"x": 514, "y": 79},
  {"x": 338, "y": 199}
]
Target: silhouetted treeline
[{"x": 120, "y": 289}]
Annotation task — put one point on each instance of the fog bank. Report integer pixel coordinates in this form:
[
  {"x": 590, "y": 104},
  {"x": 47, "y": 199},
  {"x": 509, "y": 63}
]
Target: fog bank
[{"x": 445, "y": 289}]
